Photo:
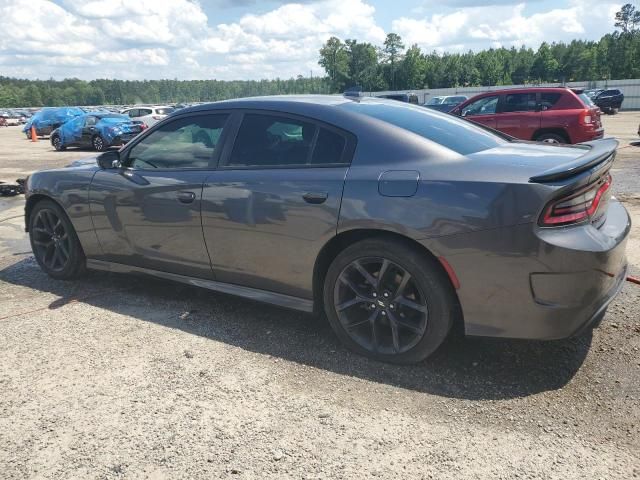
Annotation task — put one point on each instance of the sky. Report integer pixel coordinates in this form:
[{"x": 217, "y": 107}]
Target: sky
[{"x": 251, "y": 39}]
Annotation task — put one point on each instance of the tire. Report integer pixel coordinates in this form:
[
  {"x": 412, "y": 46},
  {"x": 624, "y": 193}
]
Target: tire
[
  {"x": 422, "y": 311},
  {"x": 551, "y": 138},
  {"x": 57, "y": 144},
  {"x": 28, "y": 134},
  {"x": 54, "y": 242},
  {"x": 98, "y": 143}
]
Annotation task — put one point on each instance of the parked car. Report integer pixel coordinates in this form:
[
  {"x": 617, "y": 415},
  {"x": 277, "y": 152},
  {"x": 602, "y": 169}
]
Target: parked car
[
  {"x": 395, "y": 220},
  {"x": 97, "y": 130},
  {"x": 3, "y": 121},
  {"x": 401, "y": 97},
  {"x": 609, "y": 100},
  {"x": 11, "y": 119},
  {"x": 552, "y": 115},
  {"x": 445, "y": 104},
  {"x": 48, "y": 119},
  {"x": 148, "y": 115}
]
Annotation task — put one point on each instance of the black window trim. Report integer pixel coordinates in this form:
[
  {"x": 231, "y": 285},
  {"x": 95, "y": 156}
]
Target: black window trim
[
  {"x": 347, "y": 152},
  {"x": 215, "y": 159}
]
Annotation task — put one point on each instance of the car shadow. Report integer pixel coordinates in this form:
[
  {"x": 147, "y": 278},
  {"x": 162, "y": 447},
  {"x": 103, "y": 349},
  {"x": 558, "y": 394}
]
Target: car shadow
[{"x": 465, "y": 368}]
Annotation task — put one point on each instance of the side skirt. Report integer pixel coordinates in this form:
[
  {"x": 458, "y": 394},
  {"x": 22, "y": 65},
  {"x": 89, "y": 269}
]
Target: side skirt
[{"x": 264, "y": 296}]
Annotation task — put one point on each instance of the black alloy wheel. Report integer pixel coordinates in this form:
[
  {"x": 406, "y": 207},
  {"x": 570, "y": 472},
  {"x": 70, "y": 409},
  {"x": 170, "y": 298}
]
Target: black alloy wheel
[
  {"x": 51, "y": 242},
  {"x": 380, "y": 306},
  {"x": 98, "y": 143},
  {"x": 57, "y": 144},
  {"x": 388, "y": 300},
  {"x": 54, "y": 241}
]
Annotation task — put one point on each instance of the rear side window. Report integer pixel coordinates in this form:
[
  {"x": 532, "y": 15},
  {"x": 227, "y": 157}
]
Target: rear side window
[
  {"x": 449, "y": 131},
  {"x": 144, "y": 111},
  {"x": 265, "y": 140},
  {"x": 548, "y": 100},
  {"x": 519, "y": 102},
  {"x": 329, "y": 148},
  {"x": 165, "y": 110}
]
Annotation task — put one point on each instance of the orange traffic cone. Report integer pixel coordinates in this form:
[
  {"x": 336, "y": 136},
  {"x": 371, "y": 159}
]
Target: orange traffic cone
[{"x": 34, "y": 136}]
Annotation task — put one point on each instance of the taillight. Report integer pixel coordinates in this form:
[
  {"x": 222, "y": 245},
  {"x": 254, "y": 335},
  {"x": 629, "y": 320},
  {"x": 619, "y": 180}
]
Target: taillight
[
  {"x": 585, "y": 117},
  {"x": 576, "y": 206}
]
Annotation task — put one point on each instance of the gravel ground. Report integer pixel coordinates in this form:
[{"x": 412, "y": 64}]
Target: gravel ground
[{"x": 127, "y": 377}]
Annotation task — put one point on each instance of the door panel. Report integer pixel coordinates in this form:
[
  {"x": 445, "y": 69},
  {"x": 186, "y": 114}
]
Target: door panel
[
  {"x": 518, "y": 116},
  {"x": 482, "y": 111},
  {"x": 147, "y": 214},
  {"x": 265, "y": 228},
  {"x": 141, "y": 219}
]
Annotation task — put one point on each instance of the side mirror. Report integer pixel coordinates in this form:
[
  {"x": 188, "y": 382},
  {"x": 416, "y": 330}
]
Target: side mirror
[{"x": 109, "y": 159}]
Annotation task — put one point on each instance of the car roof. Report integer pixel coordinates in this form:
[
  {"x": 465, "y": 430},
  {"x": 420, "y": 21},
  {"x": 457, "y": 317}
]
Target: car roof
[
  {"x": 284, "y": 102},
  {"x": 527, "y": 90}
]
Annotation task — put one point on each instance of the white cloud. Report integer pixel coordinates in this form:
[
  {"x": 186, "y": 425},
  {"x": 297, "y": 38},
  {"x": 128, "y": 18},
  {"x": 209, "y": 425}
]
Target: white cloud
[
  {"x": 506, "y": 25},
  {"x": 174, "y": 38}
]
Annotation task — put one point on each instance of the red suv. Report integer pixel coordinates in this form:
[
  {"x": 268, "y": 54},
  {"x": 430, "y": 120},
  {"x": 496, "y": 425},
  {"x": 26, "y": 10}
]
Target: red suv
[{"x": 553, "y": 115}]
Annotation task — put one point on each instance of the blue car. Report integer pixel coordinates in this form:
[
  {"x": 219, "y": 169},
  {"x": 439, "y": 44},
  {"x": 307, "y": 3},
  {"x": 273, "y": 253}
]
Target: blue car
[
  {"x": 97, "y": 130},
  {"x": 48, "y": 119}
]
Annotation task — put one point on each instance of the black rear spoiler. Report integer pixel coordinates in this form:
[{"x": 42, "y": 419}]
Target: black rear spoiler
[{"x": 598, "y": 151}]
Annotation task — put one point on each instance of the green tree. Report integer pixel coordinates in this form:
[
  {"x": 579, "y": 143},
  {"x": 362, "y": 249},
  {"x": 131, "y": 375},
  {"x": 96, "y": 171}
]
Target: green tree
[
  {"x": 335, "y": 61},
  {"x": 32, "y": 96},
  {"x": 392, "y": 52},
  {"x": 627, "y": 18},
  {"x": 412, "y": 69}
]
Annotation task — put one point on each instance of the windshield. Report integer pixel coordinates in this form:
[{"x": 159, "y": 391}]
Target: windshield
[
  {"x": 449, "y": 131},
  {"x": 586, "y": 99},
  {"x": 435, "y": 101},
  {"x": 454, "y": 100}
]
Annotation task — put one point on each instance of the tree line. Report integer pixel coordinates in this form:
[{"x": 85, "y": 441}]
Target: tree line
[{"x": 350, "y": 63}]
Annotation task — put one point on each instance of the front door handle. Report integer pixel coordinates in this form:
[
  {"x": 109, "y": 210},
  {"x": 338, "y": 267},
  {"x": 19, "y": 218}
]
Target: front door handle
[
  {"x": 315, "y": 198},
  {"x": 186, "y": 197}
]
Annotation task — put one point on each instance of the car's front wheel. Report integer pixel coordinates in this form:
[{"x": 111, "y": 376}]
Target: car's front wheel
[
  {"x": 54, "y": 242},
  {"x": 57, "y": 144},
  {"x": 389, "y": 301},
  {"x": 99, "y": 145}
]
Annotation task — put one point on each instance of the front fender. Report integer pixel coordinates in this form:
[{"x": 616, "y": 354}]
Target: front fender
[{"x": 69, "y": 188}]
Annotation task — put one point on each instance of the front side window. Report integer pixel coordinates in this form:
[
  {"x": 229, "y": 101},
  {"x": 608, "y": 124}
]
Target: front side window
[
  {"x": 271, "y": 140},
  {"x": 520, "y": 102},
  {"x": 482, "y": 106},
  {"x": 189, "y": 142}
]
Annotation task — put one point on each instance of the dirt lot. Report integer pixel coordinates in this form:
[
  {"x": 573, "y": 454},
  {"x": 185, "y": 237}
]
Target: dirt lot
[{"x": 122, "y": 377}]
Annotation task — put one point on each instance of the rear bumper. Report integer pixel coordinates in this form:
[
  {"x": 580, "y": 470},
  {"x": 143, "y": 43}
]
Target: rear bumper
[{"x": 535, "y": 283}]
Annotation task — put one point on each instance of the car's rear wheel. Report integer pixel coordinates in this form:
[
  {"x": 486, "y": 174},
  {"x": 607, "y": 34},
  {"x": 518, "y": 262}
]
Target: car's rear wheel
[
  {"x": 54, "y": 242},
  {"x": 551, "y": 138},
  {"x": 99, "y": 145},
  {"x": 57, "y": 144},
  {"x": 388, "y": 301}
]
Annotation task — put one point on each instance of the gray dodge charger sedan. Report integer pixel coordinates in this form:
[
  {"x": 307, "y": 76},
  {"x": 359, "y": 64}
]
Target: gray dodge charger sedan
[{"x": 395, "y": 220}]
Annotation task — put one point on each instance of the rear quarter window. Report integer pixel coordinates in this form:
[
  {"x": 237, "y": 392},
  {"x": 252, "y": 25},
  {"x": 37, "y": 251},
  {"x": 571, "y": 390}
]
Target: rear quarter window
[{"x": 452, "y": 132}]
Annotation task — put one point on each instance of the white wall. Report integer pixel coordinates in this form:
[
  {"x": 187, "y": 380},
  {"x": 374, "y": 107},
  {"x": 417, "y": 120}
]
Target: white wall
[{"x": 630, "y": 89}]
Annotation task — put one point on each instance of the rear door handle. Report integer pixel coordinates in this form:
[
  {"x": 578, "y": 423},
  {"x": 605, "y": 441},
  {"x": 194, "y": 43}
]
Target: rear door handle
[
  {"x": 315, "y": 198},
  {"x": 186, "y": 197}
]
